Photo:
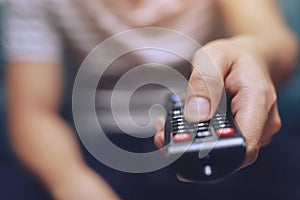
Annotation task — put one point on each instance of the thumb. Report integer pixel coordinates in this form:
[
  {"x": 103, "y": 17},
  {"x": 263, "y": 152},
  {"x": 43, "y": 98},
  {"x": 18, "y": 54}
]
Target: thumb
[{"x": 205, "y": 88}]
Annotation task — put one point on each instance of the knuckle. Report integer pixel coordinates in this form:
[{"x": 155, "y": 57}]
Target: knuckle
[
  {"x": 197, "y": 79},
  {"x": 205, "y": 79},
  {"x": 196, "y": 75},
  {"x": 222, "y": 43},
  {"x": 276, "y": 125},
  {"x": 266, "y": 93},
  {"x": 262, "y": 89},
  {"x": 247, "y": 55},
  {"x": 273, "y": 95},
  {"x": 221, "y": 49},
  {"x": 252, "y": 153}
]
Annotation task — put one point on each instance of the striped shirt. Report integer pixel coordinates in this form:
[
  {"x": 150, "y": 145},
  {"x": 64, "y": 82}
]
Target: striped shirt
[
  {"x": 48, "y": 30},
  {"x": 42, "y": 29}
]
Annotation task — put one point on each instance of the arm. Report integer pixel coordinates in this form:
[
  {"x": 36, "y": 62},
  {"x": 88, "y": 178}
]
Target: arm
[
  {"x": 40, "y": 137},
  {"x": 263, "y": 29}
]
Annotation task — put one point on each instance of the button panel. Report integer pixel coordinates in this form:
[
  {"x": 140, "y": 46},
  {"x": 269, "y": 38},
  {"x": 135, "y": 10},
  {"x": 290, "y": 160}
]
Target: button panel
[
  {"x": 183, "y": 131},
  {"x": 204, "y": 145}
]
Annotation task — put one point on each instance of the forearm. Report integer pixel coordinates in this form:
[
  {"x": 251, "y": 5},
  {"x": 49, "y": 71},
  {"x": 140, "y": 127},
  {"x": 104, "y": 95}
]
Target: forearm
[{"x": 45, "y": 143}]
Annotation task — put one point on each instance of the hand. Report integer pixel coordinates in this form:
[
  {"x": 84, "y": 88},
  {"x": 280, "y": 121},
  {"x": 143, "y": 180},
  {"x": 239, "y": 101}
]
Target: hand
[{"x": 242, "y": 70}]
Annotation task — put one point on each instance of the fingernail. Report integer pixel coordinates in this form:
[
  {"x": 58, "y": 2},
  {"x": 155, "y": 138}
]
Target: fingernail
[{"x": 197, "y": 109}]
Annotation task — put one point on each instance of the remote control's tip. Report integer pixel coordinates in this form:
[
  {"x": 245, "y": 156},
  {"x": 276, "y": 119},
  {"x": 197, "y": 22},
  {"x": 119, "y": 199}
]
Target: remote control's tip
[{"x": 175, "y": 98}]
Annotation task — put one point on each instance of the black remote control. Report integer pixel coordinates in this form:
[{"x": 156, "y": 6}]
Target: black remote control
[{"x": 205, "y": 151}]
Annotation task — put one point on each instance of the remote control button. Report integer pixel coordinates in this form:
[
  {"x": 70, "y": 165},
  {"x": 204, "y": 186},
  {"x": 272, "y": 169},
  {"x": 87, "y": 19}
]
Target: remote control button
[
  {"x": 178, "y": 104},
  {"x": 220, "y": 126},
  {"x": 182, "y": 137},
  {"x": 176, "y": 112},
  {"x": 202, "y": 134},
  {"x": 177, "y": 120},
  {"x": 221, "y": 115},
  {"x": 220, "y": 118},
  {"x": 181, "y": 127},
  {"x": 202, "y": 128},
  {"x": 181, "y": 123},
  {"x": 207, "y": 170},
  {"x": 203, "y": 124},
  {"x": 225, "y": 132},
  {"x": 215, "y": 123},
  {"x": 177, "y": 117}
]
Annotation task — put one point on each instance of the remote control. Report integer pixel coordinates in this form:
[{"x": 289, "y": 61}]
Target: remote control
[{"x": 205, "y": 151}]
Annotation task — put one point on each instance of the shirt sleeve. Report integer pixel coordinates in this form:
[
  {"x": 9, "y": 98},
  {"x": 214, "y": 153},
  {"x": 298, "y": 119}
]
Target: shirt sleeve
[{"x": 29, "y": 33}]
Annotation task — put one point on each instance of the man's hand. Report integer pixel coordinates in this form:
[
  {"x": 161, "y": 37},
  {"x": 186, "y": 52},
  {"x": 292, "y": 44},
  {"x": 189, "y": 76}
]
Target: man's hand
[{"x": 246, "y": 77}]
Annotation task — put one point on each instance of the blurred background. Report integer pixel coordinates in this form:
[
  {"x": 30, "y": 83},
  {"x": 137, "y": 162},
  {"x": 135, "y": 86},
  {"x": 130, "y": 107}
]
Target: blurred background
[{"x": 276, "y": 170}]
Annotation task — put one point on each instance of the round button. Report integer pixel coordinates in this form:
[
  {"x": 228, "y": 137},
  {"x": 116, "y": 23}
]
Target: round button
[
  {"x": 225, "y": 132},
  {"x": 182, "y": 137},
  {"x": 207, "y": 170}
]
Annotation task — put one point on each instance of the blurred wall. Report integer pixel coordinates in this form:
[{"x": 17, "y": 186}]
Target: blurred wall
[
  {"x": 3, "y": 143},
  {"x": 289, "y": 98}
]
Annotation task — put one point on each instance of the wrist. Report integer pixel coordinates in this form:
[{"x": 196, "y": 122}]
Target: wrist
[
  {"x": 277, "y": 53},
  {"x": 66, "y": 179},
  {"x": 82, "y": 184}
]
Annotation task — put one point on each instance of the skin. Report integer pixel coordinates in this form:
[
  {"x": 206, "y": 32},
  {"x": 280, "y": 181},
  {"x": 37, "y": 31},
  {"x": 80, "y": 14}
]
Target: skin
[
  {"x": 249, "y": 63},
  {"x": 42, "y": 139}
]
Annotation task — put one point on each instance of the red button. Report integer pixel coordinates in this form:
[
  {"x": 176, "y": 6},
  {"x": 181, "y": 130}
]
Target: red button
[
  {"x": 182, "y": 137},
  {"x": 225, "y": 132}
]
